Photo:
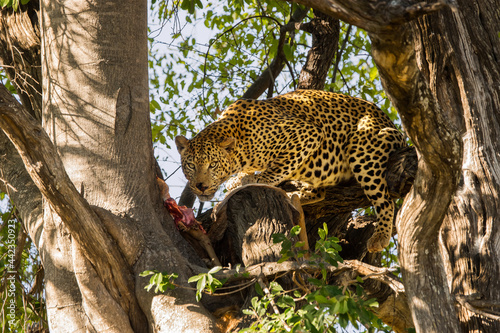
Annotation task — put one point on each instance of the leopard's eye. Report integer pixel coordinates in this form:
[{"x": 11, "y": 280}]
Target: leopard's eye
[
  {"x": 213, "y": 165},
  {"x": 190, "y": 166}
]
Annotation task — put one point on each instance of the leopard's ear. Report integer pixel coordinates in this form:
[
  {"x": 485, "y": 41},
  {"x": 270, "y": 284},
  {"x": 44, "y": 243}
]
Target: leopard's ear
[
  {"x": 181, "y": 142},
  {"x": 229, "y": 143}
]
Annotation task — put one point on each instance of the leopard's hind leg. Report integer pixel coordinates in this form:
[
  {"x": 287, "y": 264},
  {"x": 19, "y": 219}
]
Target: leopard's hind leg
[{"x": 368, "y": 152}]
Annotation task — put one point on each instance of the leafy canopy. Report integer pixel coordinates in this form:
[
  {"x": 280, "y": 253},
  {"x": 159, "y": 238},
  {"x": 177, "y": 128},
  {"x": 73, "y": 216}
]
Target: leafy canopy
[{"x": 204, "y": 55}]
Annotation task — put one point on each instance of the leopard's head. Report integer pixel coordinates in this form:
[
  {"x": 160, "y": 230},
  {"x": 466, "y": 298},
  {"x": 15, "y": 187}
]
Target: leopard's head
[{"x": 206, "y": 163}]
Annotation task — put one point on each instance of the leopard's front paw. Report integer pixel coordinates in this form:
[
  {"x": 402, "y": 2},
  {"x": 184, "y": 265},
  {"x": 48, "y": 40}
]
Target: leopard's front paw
[
  {"x": 232, "y": 183},
  {"x": 378, "y": 242}
]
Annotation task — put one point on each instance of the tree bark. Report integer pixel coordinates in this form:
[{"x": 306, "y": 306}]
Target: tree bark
[
  {"x": 325, "y": 31},
  {"x": 95, "y": 104},
  {"x": 444, "y": 89},
  {"x": 20, "y": 54}
]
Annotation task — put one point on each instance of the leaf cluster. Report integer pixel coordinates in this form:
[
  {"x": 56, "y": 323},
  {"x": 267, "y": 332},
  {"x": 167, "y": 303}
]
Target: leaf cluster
[
  {"x": 323, "y": 308},
  {"x": 14, "y": 4},
  {"x": 161, "y": 281},
  {"x": 215, "y": 51},
  {"x": 206, "y": 282},
  {"x": 317, "y": 306}
]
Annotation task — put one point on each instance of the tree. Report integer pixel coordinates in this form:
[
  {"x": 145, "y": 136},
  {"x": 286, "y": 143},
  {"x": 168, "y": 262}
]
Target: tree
[{"x": 101, "y": 221}]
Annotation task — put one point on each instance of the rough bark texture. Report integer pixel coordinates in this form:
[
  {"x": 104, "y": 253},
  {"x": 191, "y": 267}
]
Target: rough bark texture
[
  {"x": 241, "y": 227},
  {"x": 463, "y": 70},
  {"x": 20, "y": 54},
  {"x": 249, "y": 224},
  {"x": 95, "y": 105},
  {"x": 442, "y": 72},
  {"x": 325, "y": 32}
]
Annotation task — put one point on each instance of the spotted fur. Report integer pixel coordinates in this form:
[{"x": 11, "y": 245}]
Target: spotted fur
[{"x": 315, "y": 137}]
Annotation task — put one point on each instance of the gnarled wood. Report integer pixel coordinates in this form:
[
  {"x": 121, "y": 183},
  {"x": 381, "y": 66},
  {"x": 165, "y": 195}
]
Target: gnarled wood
[
  {"x": 244, "y": 224},
  {"x": 245, "y": 221}
]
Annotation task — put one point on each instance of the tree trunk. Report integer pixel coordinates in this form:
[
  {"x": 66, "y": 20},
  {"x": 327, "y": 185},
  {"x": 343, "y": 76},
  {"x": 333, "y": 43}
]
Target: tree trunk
[
  {"x": 92, "y": 114},
  {"x": 94, "y": 242},
  {"x": 463, "y": 70}
]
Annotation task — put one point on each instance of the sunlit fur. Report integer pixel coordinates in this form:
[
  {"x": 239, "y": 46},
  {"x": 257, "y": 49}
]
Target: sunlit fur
[{"x": 315, "y": 137}]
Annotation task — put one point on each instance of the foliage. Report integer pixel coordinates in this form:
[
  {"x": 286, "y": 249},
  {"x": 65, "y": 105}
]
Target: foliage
[
  {"x": 206, "y": 282},
  {"x": 161, "y": 281},
  {"x": 323, "y": 308},
  {"x": 21, "y": 296},
  {"x": 215, "y": 51},
  {"x": 316, "y": 307}
]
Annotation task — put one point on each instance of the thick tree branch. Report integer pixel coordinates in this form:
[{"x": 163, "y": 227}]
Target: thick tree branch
[
  {"x": 268, "y": 269},
  {"x": 325, "y": 31},
  {"x": 47, "y": 171},
  {"x": 374, "y": 16}
]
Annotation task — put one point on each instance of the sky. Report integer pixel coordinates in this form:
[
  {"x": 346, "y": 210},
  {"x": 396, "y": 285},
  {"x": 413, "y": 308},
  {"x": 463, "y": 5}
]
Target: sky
[{"x": 168, "y": 158}]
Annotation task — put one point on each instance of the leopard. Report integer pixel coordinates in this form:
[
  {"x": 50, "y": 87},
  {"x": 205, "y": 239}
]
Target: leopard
[{"x": 313, "y": 137}]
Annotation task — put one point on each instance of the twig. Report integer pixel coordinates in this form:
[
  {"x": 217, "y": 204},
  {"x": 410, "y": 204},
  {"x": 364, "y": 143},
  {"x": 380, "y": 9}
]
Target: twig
[
  {"x": 271, "y": 301},
  {"x": 339, "y": 55}
]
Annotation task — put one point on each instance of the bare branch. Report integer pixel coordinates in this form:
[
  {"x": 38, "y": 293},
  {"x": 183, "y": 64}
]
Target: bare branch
[{"x": 266, "y": 269}]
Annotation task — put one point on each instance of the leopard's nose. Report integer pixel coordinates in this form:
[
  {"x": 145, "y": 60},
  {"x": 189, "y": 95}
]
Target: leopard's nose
[{"x": 201, "y": 187}]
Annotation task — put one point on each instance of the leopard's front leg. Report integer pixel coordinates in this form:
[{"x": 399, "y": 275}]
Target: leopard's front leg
[
  {"x": 307, "y": 193},
  {"x": 236, "y": 181}
]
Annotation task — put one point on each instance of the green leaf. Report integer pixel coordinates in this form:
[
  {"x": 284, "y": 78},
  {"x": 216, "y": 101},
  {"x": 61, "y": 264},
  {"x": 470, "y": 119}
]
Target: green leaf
[
  {"x": 295, "y": 231},
  {"x": 299, "y": 244},
  {"x": 286, "y": 302},
  {"x": 154, "y": 104},
  {"x": 195, "y": 278},
  {"x": 321, "y": 299},
  {"x": 372, "y": 302},
  {"x": 215, "y": 270},
  {"x": 247, "y": 312},
  {"x": 147, "y": 273},
  {"x": 5, "y": 3},
  {"x": 259, "y": 290},
  {"x": 278, "y": 238},
  {"x": 287, "y": 49}
]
